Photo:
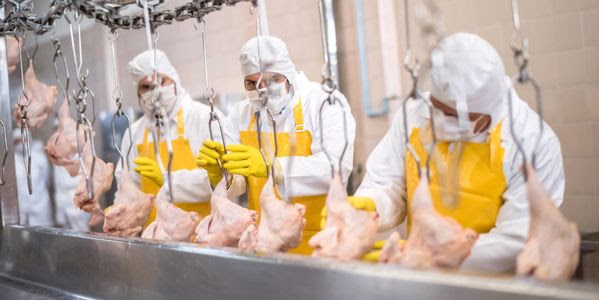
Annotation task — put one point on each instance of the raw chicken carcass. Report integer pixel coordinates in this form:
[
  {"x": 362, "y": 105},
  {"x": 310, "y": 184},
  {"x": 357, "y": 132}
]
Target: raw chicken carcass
[
  {"x": 435, "y": 241},
  {"x": 130, "y": 211},
  {"x": 12, "y": 52},
  {"x": 349, "y": 232},
  {"x": 42, "y": 99},
  {"x": 172, "y": 223},
  {"x": 61, "y": 147},
  {"x": 281, "y": 224},
  {"x": 226, "y": 222},
  {"x": 552, "y": 249},
  {"x": 102, "y": 180}
]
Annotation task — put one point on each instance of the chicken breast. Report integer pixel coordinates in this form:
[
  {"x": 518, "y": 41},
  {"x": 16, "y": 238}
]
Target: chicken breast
[
  {"x": 172, "y": 223},
  {"x": 130, "y": 211},
  {"x": 349, "y": 232},
  {"x": 281, "y": 224},
  {"x": 61, "y": 147},
  {"x": 435, "y": 241},
  {"x": 102, "y": 181},
  {"x": 12, "y": 52},
  {"x": 42, "y": 100},
  {"x": 552, "y": 249},
  {"x": 226, "y": 222}
]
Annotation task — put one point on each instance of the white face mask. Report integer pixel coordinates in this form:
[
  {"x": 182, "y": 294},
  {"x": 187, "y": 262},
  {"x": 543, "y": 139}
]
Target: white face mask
[
  {"x": 447, "y": 128},
  {"x": 278, "y": 97},
  {"x": 168, "y": 97}
]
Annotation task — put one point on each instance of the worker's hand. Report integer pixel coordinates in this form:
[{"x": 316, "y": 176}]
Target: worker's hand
[
  {"x": 375, "y": 253},
  {"x": 244, "y": 160},
  {"x": 207, "y": 159},
  {"x": 358, "y": 202},
  {"x": 148, "y": 168}
]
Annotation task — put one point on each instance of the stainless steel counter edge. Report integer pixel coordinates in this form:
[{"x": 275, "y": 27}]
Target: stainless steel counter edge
[{"x": 96, "y": 265}]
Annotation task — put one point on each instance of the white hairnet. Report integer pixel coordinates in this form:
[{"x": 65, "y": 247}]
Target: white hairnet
[
  {"x": 468, "y": 75},
  {"x": 142, "y": 66},
  {"x": 274, "y": 57}
]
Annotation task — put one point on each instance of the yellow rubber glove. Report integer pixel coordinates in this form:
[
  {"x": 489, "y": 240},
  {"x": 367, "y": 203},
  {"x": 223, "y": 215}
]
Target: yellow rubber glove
[
  {"x": 358, "y": 202},
  {"x": 207, "y": 159},
  {"x": 244, "y": 160},
  {"x": 375, "y": 253},
  {"x": 148, "y": 168}
]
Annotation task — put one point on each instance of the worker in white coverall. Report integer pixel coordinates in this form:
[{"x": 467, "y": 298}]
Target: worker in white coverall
[
  {"x": 187, "y": 121},
  {"x": 34, "y": 209},
  {"x": 295, "y": 102},
  {"x": 469, "y": 92}
]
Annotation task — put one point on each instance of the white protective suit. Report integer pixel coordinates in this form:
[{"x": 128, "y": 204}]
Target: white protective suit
[
  {"x": 304, "y": 175},
  {"x": 34, "y": 209},
  {"x": 68, "y": 216},
  {"x": 188, "y": 185},
  {"x": 479, "y": 75}
]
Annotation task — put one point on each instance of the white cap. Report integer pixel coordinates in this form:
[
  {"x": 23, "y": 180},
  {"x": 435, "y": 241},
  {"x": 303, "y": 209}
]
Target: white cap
[
  {"x": 274, "y": 57},
  {"x": 468, "y": 75},
  {"x": 142, "y": 66}
]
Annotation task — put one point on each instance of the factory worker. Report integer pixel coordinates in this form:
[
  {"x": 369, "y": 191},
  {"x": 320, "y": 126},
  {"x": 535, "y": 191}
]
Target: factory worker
[
  {"x": 469, "y": 92},
  {"x": 188, "y": 126},
  {"x": 34, "y": 209},
  {"x": 295, "y": 102}
]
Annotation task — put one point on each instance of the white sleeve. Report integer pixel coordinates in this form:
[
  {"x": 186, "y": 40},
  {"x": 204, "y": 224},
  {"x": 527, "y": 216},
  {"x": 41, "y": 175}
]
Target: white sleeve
[
  {"x": 311, "y": 175},
  {"x": 384, "y": 181},
  {"x": 497, "y": 250},
  {"x": 189, "y": 186}
]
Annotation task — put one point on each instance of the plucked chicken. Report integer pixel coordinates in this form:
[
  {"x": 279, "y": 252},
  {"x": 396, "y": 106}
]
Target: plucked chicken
[
  {"x": 61, "y": 147},
  {"x": 172, "y": 223},
  {"x": 349, "y": 232},
  {"x": 435, "y": 241},
  {"x": 226, "y": 222},
  {"x": 42, "y": 99},
  {"x": 130, "y": 211},
  {"x": 281, "y": 224},
  {"x": 102, "y": 180},
  {"x": 552, "y": 249},
  {"x": 12, "y": 52}
]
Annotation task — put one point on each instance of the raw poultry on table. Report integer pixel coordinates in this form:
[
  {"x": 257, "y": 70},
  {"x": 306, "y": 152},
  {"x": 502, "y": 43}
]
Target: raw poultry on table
[
  {"x": 281, "y": 224},
  {"x": 349, "y": 232}
]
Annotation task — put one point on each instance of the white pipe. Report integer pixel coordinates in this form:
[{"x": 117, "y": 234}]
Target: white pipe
[{"x": 263, "y": 18}]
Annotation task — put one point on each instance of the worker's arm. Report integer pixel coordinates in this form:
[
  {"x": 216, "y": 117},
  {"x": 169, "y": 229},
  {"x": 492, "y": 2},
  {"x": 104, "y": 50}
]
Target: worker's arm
[
  {"x": 311, "y": 175},
  {"x": 384, "y": 181},
  {"x": 497, "y": 250}
]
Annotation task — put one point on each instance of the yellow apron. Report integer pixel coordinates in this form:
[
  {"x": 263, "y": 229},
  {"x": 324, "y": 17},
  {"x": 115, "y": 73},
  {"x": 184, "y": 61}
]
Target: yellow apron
[
  {"x": 183, "y": 159},
  {"x": 314, "y": 204},
  {"x": 481, "y": 179}
]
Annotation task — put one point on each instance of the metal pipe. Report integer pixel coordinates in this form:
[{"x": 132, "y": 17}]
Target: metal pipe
[{"x": 9, "y": 202}]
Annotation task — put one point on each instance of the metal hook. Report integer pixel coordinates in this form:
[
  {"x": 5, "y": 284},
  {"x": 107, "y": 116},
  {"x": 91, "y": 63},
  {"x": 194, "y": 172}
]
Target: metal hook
[
  {"x": 85, "y": 125},
  {"x": 521, "y": 59},
  {"x": 26, "y": 151},
  {"x": 58, "y": 55},
  {"x": 332, "y": 100},
  {"x": 5, "y": 155}
]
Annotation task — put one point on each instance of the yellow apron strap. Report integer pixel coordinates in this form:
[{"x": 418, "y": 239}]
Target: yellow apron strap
[
  {"x": 180, "y": 124},
  {"x": 496, "y": 151},
  {"x": 298, "y": 115}
]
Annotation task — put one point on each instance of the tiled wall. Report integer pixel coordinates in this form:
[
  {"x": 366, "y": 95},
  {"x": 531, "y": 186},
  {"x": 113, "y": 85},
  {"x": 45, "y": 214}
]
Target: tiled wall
[{"x": 564, "y": 48}]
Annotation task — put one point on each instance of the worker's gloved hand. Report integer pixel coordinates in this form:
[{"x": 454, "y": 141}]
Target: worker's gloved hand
[
  {"x": 148, "y": 168},
  {"x": 375, "y": 253},
  {"x": 207, "y": 159},
  {"x": 358, "y": 202},
  {"x": 244, "y": 160}
]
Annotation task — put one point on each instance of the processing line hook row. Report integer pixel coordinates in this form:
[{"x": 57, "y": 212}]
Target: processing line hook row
[
  {"x": 519, "y": 46},
  {"x": 117, "y": 95},
  {"x": 210, "y": 94}
]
